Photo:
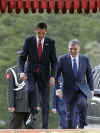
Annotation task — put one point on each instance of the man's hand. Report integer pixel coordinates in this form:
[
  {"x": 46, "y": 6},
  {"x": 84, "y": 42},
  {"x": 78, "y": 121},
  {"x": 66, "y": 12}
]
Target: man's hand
[
  {"x": 54, "y": 111},
  {"x": 38, "y": 108},
  {"x": 52, "y": 81},
  {"x": 11, "y": 109},
  {"x": 59, "y": 93},
  {"x": 23, "y": 76},
  {"x": 92, "y": 93}
]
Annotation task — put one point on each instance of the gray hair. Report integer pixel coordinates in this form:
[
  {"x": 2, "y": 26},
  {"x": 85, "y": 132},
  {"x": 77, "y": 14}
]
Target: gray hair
[{"x": 74, "y": 42}]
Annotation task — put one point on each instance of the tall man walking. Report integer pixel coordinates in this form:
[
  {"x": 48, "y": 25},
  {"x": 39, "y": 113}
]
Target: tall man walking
[
  {"x": 40, "y": 53},
  {"x": 78, "y": 83}
]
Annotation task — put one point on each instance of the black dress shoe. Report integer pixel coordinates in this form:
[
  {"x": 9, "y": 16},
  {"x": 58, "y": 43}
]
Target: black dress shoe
[
  {"x": 30, "y": 123},
  {"x": 81, "y": 126}
]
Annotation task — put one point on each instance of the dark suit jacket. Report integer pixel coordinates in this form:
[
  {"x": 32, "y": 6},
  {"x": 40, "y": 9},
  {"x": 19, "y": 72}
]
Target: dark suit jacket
[
  {"x": 29, "y": 52},
  {"x": 84, "y": 77}
]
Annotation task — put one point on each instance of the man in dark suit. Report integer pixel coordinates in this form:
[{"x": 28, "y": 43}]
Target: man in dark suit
[
  {"x": 78, "y": 83},
  {"x": 40, "y": 53}
]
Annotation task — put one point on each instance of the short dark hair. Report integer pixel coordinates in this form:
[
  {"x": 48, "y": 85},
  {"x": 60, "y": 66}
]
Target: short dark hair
[{"x": 42, "y": 25}]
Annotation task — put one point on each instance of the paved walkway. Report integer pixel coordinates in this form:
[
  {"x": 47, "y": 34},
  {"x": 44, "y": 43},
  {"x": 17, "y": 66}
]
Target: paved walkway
[
  {"x": 93, "y": 126},
  {"x": 50, "y": 131}
]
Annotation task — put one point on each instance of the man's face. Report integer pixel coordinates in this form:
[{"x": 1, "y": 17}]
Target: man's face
[
  {"x": 74, "y": 50},
  {"x": 41, "y": 33}
]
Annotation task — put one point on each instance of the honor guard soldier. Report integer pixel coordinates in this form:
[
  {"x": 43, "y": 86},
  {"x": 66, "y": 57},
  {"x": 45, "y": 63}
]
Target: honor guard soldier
[{"x": 18, "y": 105}]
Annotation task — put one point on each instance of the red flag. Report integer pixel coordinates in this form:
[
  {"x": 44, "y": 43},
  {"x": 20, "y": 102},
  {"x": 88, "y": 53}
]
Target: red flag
[
  {"x": 28, "y": 4},
  {"x": 68, "y": 4},
  {"x": 20, "y": 4},
  {"x": 44, "y": 4},
  {"x": 76, "y": 4},
  {"x": 84, "y": 4},
  {"x": 36, "y": 4},
  {"x": 92, "y": 4},
  {"x": 60, "y": 4},
  {"x": 12, "y": 4},
  {"x": 98, "y": 4},
  {"x": 3, "y": 5},
  {"x": 52, "y": 4}
]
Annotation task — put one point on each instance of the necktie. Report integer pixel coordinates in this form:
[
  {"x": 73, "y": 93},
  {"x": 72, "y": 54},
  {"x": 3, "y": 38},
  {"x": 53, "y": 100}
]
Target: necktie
[
  {"x": 75, "y": 72},
  {"x": 39, "y": 49},
  {"x": 75, "y": 67}
]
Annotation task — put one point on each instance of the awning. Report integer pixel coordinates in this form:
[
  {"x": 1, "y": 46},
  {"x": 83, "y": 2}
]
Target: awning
[{"x": 56, "y": 6}]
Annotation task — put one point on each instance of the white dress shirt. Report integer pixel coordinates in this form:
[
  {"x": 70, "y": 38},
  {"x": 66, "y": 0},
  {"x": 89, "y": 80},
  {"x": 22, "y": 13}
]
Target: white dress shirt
[
  {"x": 77, "y": 61},
  {"x": 42, "y": 41}
]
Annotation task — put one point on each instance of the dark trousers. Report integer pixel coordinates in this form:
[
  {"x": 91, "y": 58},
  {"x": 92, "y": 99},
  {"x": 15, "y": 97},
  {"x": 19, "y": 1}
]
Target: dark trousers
[
  {"x": 61, "y": 109},
  {"x": 83, "y": 110},
  {"x": 62, "y": 119},
  {"x": 17, "y": 120},
  {"x": 76, "y": 111},
  {"x": 71, "y": 116},
  {"x": 42, "y": 80}
]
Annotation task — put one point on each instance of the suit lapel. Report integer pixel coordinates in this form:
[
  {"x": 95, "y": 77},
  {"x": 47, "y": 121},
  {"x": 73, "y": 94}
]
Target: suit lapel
[
  {"x": 80, "y": 65},
  {"x": 69, "y": 63},
  {"x": 34, "y": 44},
  {"x": 45, "y": 45}
]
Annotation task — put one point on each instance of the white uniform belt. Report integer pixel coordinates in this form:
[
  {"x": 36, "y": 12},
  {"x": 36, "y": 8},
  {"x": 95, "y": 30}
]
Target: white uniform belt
[{"x": 19, "y": 86}]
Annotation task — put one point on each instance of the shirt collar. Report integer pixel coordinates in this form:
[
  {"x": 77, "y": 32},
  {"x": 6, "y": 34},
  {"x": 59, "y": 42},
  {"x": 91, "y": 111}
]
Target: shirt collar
[
  {"x": 42, "y": 41},
  {"x": 77, "y": 57}
]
